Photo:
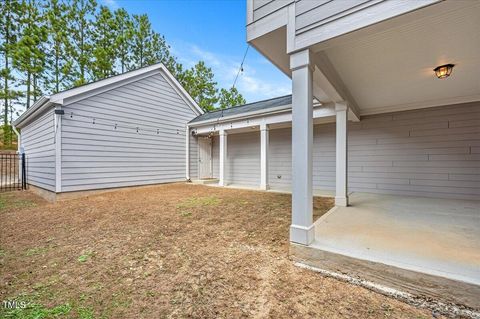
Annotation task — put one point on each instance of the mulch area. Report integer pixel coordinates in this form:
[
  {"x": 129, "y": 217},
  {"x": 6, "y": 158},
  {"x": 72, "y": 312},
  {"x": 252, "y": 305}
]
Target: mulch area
[{"x": 172, "y": 251}]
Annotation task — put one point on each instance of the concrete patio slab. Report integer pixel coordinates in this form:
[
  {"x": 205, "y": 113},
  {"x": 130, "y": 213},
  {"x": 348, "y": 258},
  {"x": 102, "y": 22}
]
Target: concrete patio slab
[{"x": 439, "y": 237}]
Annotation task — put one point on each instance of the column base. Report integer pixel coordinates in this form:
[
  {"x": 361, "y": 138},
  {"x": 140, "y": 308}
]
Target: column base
[
  {"x": 302, "y": 235},
  {"x": 341, "y": 201},
  {"x": 264, "y": 187}
]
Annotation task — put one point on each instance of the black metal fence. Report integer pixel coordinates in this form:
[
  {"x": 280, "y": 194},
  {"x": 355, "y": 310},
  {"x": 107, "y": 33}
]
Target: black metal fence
[{"x": 13, "y": 174}]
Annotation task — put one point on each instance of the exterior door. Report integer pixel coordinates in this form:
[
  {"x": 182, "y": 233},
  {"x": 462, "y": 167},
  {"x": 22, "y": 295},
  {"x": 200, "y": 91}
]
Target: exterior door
[{"x": 205, "y": 157}]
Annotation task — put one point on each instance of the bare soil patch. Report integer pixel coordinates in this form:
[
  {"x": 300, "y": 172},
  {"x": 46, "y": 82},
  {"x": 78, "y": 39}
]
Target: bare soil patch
[{"x": 171, "y": 251}]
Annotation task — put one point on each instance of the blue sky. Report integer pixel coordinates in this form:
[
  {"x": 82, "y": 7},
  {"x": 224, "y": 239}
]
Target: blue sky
[{"x": 213, "y": 31}]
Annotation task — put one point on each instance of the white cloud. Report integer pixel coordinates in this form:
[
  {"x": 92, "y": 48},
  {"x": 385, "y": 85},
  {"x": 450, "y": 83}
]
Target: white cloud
[
  {"x": 260, "y": 87},
  {"x": 111, "y": 3},
  {"x": 259, "y": 80}
]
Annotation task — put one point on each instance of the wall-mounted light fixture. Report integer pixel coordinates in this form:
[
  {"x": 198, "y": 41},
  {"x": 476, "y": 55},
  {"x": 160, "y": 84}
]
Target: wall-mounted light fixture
[{"x": 443, "y": 71}]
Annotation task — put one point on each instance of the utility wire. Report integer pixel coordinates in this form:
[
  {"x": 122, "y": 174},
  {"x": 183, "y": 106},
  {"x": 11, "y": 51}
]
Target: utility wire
[
  {"x": 120, "y": 125},
  {"x": 241, "y": 66}
]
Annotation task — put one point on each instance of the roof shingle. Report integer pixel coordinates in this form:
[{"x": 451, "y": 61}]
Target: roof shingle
[{"x": 250, "y": 107}]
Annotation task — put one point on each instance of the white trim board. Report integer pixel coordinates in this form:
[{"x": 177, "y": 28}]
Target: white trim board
[
  {"x": 421, "y": 105},
  {"x": 282, "y": 116}
]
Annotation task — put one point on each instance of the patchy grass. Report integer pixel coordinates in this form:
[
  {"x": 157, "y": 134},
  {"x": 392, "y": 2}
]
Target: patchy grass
[
  {"x": 32, "y": 310},
  {"x": 86, "y": 313},
  {"x": 16, "y": 200},
  {"x": 36, "y": 311},
  {"x": 168, "y": 251},
  {"x": 195, "y": 202},
  {"x": 85, "y": 256},
  {"x": 36, "y": 251}
]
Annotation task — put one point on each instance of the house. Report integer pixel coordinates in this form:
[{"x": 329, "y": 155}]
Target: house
[
  {"x": 127, "y": 130},
  {"x": 384, "y": 116}
]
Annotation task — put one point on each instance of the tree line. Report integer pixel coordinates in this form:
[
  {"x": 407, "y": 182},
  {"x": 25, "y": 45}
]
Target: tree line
[{"x": 47, "y": 46}]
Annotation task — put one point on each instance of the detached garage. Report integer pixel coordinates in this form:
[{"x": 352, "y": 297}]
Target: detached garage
[{"x": 127, "y": 130}]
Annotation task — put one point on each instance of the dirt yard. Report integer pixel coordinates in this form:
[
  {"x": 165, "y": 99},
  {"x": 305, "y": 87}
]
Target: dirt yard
[{"x": 170, "y": 251}]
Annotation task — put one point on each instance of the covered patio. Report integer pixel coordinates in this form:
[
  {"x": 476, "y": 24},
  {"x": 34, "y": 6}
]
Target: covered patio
[
  {"x": 437, "y": 237},
  {"x": 413, "y": 244}
]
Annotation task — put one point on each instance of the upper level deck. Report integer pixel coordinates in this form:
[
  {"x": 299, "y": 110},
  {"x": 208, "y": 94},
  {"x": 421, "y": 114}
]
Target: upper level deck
[{"x": 309, "y": 22}]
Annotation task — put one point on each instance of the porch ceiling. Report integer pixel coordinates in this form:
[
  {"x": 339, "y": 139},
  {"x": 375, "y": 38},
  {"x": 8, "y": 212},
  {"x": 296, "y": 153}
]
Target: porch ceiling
[
  {"x": 389, "y": 66},
  {"x": 393, "y": 69}
]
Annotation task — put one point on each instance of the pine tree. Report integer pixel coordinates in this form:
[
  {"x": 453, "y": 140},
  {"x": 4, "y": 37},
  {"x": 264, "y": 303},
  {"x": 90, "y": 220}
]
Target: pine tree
[
  {"x": 29, "y": 57},
  {"x": 80, "y": 30},
  {"x": 104, "y": 50},
  {"x": 58, "y": 63},
  {"x": 124, "y": 38},
  {"x": 142, "y": 38},
  {"x": 9, "y": 10},
  {"x": 229, "y": 98},
  {"x": 67, "y": 45},
  {"x": 157, "y": 50},
  {"x": 199, "y": 83},
  {"x": 177, "y": 70}
]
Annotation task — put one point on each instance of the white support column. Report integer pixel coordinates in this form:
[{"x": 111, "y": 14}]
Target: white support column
[
  {"x": 187, "y": 154},
  {"x": 302, "y": 230},
  {"x": 341, "y": 195},
  {"x": 264, "y": 141},
  {"x": 223, "y": 157}
]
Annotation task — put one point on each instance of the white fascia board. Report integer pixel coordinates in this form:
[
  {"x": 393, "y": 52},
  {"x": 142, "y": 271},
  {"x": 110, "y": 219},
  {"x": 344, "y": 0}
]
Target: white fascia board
[{"x": 280, "y": 117}]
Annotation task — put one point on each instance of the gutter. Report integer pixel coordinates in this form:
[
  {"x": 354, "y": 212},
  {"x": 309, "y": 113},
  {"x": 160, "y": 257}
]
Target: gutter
[
  {"x": 36, "y": 108},
  {"x": 246, "y": 115},
  {"x": 272, "y": 110}
]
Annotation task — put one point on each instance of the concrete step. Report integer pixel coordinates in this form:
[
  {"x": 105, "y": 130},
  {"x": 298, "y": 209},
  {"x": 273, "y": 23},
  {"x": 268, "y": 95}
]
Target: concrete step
[{"x": 205, "y": 181}]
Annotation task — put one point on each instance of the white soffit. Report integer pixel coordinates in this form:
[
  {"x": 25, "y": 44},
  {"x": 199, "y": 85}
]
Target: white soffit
[
  {"x": 393, "y": 70},
  {"x": 273, "y": 46}
]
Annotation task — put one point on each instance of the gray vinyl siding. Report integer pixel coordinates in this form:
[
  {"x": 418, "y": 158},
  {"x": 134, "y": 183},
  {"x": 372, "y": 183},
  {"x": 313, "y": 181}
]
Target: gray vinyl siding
[
  {"x": 97, "y": 155},
  {"x": 280, "y": 158},
  {"x": 262, "y": 8},
  {"x": 433, "y": 152},
  {"x": 243, "y": 159},
  {"x": 312, "y": 14},
  {"x": 38, "y": 141}
]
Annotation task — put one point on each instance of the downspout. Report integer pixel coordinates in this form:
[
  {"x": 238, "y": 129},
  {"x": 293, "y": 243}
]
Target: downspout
[
  {"x": 187, "y": 152},
  {"x": 19, "y": 152},
  {"x": 58, "y": 112},
  {"x": 19, "y": 140}
]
